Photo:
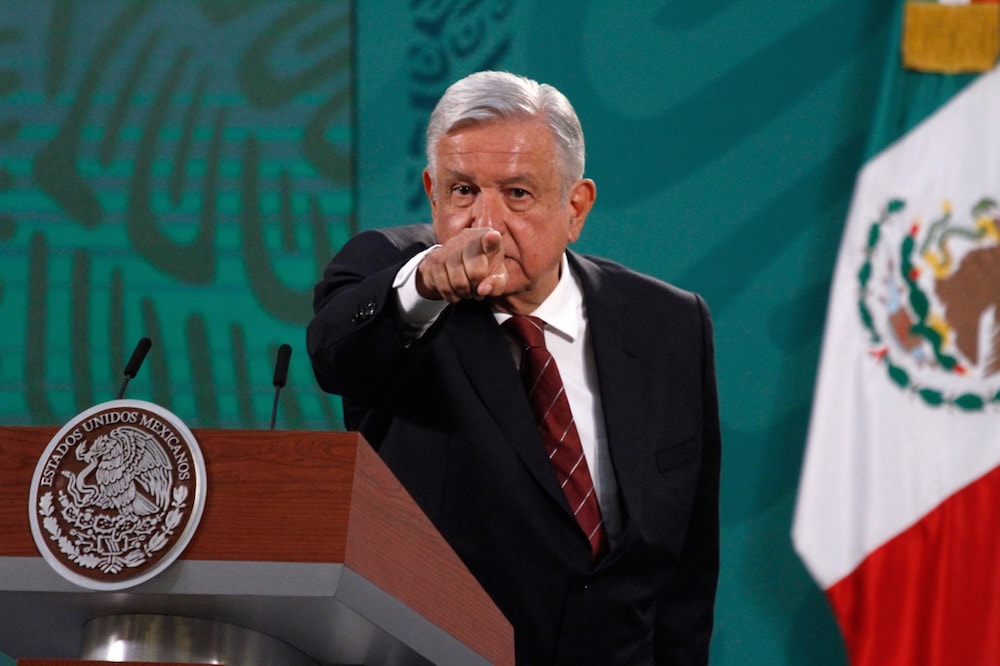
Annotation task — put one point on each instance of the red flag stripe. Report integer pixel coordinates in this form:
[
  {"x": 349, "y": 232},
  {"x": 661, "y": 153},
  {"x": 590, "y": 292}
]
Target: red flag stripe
[{"x": 930, "y": 595}]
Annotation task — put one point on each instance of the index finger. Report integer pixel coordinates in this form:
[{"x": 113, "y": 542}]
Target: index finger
[{"x": 491, "y": 242}]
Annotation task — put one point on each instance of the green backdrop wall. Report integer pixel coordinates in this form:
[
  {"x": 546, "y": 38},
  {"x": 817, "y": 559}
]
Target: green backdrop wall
[{"x": 184, "y": 169}]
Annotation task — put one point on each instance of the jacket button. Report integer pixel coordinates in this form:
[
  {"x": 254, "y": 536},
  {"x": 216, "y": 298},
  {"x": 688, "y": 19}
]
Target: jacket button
[{"x": 364, "y": 313}]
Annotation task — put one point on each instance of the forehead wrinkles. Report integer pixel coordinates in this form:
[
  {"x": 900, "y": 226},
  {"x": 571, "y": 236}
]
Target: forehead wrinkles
[
  {"x": 464, "y": 154},
  {"x": 502, "y": 166},
  {"x": 499, "y": 141},
  {"x": 515, "y": 154}
]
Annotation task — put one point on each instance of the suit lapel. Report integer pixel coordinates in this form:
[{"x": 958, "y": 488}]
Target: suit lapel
[
  {"x": 483, "y": 353},
  {"x": 619, "y": 375}
]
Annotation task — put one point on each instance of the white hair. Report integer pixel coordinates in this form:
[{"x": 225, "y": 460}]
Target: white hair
[{"x": 486, "y": 97}]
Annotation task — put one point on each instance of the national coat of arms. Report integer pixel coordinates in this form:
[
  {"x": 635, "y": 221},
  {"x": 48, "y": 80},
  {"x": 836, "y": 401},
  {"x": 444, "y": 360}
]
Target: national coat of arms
[
  {"x": 117, "y": 494},
  {"x": 929, "y": 298}
]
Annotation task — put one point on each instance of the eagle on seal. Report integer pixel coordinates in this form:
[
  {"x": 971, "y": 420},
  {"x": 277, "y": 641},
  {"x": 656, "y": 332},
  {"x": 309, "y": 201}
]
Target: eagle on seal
[{"x": 131, "y": 471}]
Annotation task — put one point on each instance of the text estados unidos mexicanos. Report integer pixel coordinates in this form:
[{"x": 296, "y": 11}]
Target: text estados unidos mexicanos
[{"x": 153, "y": 424}]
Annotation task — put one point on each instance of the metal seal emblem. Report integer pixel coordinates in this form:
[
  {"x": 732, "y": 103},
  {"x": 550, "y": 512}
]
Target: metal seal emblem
[{"x": 117, "y": 495}]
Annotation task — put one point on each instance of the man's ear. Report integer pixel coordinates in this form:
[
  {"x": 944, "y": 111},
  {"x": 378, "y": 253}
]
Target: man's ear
[
  {"x": 429, "y": 188},
  {"x": 581, "y": 199}
]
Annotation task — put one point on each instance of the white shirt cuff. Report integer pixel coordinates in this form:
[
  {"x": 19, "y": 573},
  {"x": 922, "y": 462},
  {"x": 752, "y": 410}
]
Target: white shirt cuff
[{"x": 417, "y": 312}]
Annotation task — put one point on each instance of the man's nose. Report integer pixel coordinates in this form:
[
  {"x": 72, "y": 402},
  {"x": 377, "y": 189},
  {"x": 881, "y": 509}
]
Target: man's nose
[{"x": 488, "y": 211}]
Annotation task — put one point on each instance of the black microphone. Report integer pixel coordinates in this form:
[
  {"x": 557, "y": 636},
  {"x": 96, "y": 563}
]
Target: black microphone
[
  {"x": 280, "y": 376},
  {"x": 132, "y": 367}
]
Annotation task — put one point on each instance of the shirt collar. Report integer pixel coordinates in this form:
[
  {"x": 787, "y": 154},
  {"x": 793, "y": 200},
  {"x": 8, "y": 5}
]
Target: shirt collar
[{"x": 562, "y": 310}]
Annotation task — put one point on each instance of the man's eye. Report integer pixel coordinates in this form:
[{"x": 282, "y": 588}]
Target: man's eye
[
  {"x": 461, "y": 190},
  {"x": 518, "y": 193}
]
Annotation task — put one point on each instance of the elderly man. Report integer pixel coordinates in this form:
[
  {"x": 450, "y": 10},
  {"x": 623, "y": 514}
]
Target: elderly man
[{"x": 554, "y": 415}]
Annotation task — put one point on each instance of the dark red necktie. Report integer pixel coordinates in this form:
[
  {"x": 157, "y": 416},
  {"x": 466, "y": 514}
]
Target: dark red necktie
[{"x": 555, "y": 423}]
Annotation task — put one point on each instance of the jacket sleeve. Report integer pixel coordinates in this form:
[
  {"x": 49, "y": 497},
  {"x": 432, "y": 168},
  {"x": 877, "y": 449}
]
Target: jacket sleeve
[
  {"x": 355, "y": 339},
  {"x": 685, "y": 611}
]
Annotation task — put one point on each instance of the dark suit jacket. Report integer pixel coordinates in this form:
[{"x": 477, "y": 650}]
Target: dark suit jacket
[{"x": 449, "y": 416}]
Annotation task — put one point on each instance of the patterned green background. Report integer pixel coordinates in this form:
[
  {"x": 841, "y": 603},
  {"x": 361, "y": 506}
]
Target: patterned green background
[
  {"x": 179, "y": 170},
  {"x": 184, "y": 169}
]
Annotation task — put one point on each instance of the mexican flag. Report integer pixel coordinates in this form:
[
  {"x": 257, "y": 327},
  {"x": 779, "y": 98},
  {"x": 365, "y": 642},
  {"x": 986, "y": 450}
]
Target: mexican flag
[{"x": 898, "y": 512}]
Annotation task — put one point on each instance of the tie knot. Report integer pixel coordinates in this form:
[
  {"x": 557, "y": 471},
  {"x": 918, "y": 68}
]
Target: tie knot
[{"x": 527, "y": 331}]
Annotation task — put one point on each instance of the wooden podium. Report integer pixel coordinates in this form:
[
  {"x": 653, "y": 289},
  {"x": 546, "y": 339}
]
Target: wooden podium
[{"x": 306, "y": 537}]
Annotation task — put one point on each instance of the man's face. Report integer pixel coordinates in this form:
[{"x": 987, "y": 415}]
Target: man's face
[{"x": 504, "y": 175}]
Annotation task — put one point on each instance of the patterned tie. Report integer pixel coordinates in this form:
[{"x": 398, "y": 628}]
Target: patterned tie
[{"x": 555, "y": 423}]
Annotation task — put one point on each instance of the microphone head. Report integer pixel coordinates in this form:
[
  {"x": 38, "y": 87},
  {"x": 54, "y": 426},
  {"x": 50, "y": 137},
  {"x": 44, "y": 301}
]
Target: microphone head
[
  {"x": 281, "y": 365},
  {"x": 138, "y": 356}
]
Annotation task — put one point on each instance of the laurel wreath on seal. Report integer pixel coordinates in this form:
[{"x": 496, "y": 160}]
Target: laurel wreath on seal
[
  {"x": 919, "y": 301},
  {"x": 87, "y": 552}
]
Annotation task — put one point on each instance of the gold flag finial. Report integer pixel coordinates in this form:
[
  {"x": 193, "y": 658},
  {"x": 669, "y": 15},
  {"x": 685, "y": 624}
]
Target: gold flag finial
[{"x": 950, "y": 38}]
